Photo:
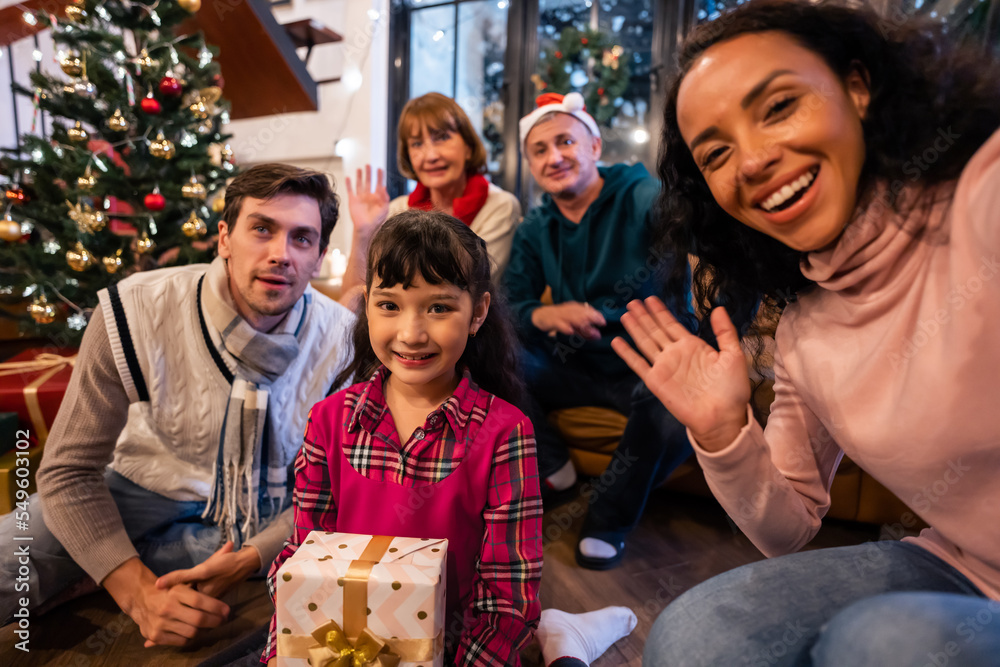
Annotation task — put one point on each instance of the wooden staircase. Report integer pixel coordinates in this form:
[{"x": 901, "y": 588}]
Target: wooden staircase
[{"x": 264, "y": 74}]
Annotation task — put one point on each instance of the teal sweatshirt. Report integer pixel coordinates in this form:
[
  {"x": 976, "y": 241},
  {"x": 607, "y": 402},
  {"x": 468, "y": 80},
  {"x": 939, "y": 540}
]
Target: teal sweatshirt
[{"x": 605, "y": 260}]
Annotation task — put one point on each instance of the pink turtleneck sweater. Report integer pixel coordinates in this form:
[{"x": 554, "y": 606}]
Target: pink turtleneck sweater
[{"x": 893, "y": 359}]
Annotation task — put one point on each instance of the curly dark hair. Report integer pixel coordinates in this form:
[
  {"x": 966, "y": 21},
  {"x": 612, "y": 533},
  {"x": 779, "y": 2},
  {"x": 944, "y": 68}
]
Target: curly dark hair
[
  {"x": 441, "y": 249},
  {"x": 920, "y": 81}
]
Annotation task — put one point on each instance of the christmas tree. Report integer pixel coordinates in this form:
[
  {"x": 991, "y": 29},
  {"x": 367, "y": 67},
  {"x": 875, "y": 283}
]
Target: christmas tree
[
  {"x": 131, "y": 173},
  {"x": 589, "y": 62}
]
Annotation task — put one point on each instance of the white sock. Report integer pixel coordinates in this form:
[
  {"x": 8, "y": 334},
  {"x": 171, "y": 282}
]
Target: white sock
[
  {"x": 595, "y": 548},
  {"x": 563, "y": 478},
  {"x": 582, "y": 636}
]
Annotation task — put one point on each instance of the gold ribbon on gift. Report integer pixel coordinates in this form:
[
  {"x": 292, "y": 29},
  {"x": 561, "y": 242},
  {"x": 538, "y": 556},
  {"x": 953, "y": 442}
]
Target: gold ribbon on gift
[
  {"x": 49, "y": 364},
  {"x": 335, "y": 650},
  {"x": 356, "y": 584},
  {"x": 329, "y": 646}
]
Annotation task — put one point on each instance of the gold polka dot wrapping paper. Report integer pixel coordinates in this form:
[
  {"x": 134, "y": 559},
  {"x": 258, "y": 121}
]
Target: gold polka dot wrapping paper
[{"x": 391, "y": 588}]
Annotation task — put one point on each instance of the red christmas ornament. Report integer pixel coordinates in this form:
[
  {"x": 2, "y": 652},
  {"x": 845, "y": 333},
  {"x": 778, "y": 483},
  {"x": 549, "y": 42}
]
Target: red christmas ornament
[
  {"x": 170, "y": 86},
  {"x": 583, "y": 40},
  {"x": 219, "y": 81},
  {"x": 558, "y": 54},
  {"x": 600, "y": 91},
  {"x": 150, "y": 105},
  {"x": 154, "y": 201}
]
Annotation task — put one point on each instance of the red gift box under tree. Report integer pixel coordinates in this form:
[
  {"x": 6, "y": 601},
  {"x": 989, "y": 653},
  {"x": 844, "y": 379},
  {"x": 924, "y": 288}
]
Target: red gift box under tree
[{"x": 33, "y": 384}]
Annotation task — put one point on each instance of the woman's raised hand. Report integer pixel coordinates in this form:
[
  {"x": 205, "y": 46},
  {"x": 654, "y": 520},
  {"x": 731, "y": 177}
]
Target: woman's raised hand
[
  {"x": 369, "y": 206},
  {"x": 707, "y": 390}
]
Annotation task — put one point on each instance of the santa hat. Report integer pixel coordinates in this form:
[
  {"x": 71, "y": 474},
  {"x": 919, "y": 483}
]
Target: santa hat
[{"x": 571, "y": 104}]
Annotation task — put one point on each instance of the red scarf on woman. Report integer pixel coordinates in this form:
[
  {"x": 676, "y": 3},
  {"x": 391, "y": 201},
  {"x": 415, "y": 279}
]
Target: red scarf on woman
[{"x": 465, "y": 208}]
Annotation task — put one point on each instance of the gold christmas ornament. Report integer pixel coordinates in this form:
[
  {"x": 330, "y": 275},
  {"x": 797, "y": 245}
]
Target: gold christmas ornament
[
  {"x": 143, "y": 61},
  {"x": 218, "y": 204},
  {"x": 113, "y": 262},
  {"x": 193, "y": 189},
  {"x": 199, "y": 110},
  {"x": 118, "y": 122},
  {"x": 201, "y": 103},
  {"x": 41, "y": 311},
  {"x": 194, "y": 226},
  {"x": 87, "y": 181},
  {"x": 99, "y": 220},
  {"x": 144, "y": 245},
  {"x": 75, "y": 11},
  {"x": 71, "y": 64},
  {"x": 88, "y": 221},
  {"x": 10, "y": 229},
  {"x": 211, "y": 96},
  {"x": 77, "y": 133},
  {"x": 190, "y": 5},
  {"x": 79, "y": 258},
  {"x": 162, "y": 147}
]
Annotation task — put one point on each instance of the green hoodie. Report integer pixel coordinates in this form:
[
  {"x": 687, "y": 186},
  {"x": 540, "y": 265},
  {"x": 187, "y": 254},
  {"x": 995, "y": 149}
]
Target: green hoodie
[{"x": 605, "y": 260}]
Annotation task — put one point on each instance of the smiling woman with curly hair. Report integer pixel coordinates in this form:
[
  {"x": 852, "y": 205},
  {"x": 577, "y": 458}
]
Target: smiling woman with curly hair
[{"x": 843, "y": 176}]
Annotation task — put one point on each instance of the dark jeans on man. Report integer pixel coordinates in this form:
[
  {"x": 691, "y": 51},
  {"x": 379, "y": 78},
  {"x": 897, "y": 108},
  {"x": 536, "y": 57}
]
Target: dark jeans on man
[{"x": 654, "y": 442}]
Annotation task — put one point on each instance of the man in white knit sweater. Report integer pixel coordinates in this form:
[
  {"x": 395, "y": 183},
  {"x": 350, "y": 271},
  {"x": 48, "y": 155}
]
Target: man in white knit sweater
[{"x": 166, "y": 478}]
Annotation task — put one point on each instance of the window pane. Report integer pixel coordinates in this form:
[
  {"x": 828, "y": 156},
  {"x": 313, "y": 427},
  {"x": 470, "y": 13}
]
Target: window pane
[
  {"x": 602, "y": 49},
  {"x": 432, "y": 51},
  {"x": 709, "y": 10},
  {"x": 482, "y": 42},
  {"x": 965, "y": 18}
]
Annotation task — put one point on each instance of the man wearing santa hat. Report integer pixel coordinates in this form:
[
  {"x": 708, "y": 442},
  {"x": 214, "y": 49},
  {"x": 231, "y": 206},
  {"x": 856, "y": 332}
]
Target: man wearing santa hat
[{"x": 589, "y": 241}]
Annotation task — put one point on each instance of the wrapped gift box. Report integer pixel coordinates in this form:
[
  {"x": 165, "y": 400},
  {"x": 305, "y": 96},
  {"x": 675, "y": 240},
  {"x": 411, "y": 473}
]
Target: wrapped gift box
[
  {"x": 338, "y": 587},
  {"x": 32, "y": 384}
]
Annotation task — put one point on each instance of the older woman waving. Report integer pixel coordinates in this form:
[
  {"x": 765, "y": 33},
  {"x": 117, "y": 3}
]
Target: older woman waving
[{"x": 439, "y": 148}]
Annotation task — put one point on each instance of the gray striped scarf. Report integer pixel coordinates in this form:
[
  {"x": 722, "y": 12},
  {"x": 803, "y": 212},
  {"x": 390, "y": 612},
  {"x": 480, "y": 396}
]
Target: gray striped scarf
[{"x": 260, "y": 359}]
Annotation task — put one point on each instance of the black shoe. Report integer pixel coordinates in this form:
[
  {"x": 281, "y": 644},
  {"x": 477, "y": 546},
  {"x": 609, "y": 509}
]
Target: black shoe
[
  {"x": 591, "y": 563},
  {"x": 552, "y": 498}
]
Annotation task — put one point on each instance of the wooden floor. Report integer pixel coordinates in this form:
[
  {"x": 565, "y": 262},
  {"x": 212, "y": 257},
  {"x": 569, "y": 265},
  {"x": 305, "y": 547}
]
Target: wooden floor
[{"x": 681, "y": 541}]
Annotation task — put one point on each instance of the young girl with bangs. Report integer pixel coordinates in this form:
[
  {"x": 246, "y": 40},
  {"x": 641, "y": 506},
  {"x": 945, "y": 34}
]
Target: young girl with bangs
[
  {"x": 436, "y": 357},
  {"x": 843, "y": 170}
]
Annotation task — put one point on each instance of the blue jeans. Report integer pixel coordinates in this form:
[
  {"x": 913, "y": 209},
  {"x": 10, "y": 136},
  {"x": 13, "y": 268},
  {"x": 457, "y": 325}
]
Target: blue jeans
[
  {"x": 653, "y": 444},
  {"x": 168, "y": 534},
  {"x": 880, "y": 603}
]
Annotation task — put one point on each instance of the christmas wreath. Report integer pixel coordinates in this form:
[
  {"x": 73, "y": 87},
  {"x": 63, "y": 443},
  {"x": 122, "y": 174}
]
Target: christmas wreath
[{"x": 590, "y": 63}]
